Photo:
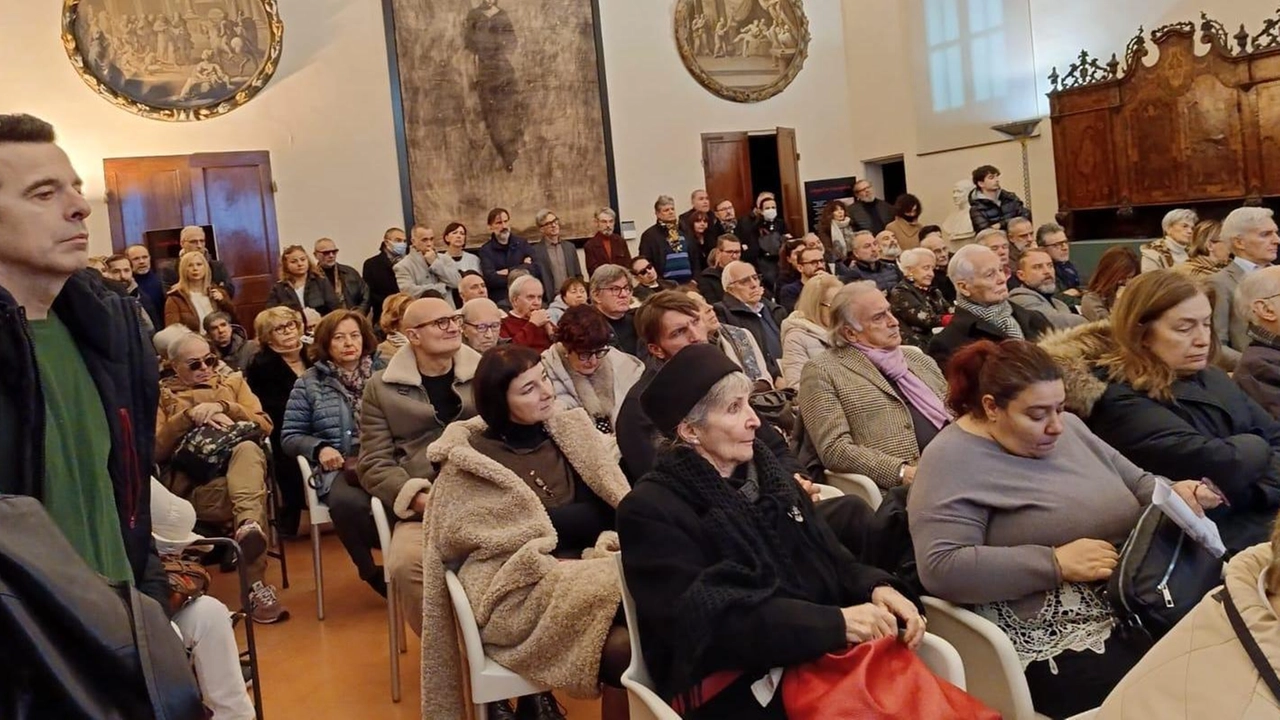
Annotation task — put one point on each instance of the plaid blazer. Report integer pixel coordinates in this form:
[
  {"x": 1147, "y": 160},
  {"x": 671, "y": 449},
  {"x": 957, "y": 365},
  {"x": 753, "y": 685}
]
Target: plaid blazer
[{"x": 857, "y": 420}]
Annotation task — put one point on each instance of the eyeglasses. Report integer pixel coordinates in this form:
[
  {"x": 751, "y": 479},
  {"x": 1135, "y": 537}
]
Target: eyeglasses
[
  {"x": 810, "y": 263},
  {"x": 732, "y": 253},
  {"x": 286, "y": 327},
  {"x": 483, "y": 328},
  {"x": 327, "y": 253},
  {"x": 597, "y": 354},
  {"x": 549, "y": 223},
  {"x": 749, "y": 281},
  {"x": 642, "y": 270},
  {"x": 618, "y": 290},
  {"x": 210, "y": 361},
  {"x": 445, "y": 323},
  {"x": 1060, "y": 243}
]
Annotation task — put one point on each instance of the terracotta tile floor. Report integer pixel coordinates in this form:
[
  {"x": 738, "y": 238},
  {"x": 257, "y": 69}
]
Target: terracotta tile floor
[{"x": 337, "y": 669}]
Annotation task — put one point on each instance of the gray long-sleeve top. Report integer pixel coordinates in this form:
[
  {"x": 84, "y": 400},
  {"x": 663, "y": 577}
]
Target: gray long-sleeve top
[{"x": 985, "y": 522}]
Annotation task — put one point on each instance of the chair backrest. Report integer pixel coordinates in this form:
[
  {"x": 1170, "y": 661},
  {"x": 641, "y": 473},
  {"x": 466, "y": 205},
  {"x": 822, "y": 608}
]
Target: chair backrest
[
  {"x": 856, "y": 485},
  {"x": 992, "y": 668},
  {"x": 466, "y": 623},
  {"x": 645, "y": 703},
  {"x": 943, "y": 659},
  {"x": 827, "y": 492}
]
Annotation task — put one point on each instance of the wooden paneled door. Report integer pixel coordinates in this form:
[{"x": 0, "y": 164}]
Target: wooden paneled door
[
  {"x": 726, "y": 163},
  {"x": 231, "y": 191},
  {"x": 791, "y": 193}
]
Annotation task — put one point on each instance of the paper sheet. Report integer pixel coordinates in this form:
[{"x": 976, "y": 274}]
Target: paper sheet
[{"x": 1201, "y": 529}]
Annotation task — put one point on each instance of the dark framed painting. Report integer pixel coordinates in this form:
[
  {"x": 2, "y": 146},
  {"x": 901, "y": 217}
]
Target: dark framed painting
[
  {"x": 176, "y": 60},
  {"x": 742, "y": 50},
  {"x": 500, "y": 103}
]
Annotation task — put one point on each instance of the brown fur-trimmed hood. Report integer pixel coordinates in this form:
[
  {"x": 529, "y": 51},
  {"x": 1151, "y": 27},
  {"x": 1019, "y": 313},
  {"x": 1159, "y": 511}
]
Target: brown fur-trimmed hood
[{"x": 1078, "y": 350}]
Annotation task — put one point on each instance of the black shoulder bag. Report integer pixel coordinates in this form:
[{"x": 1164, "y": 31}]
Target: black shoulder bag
[{"x": 1255, "y": 653}]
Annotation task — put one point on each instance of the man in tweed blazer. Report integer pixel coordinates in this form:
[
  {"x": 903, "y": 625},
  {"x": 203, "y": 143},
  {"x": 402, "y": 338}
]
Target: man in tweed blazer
[{"x": 859, "y": 420}]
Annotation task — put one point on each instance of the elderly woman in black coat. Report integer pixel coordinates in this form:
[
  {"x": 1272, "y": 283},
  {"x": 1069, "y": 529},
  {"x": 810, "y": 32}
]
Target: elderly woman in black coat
[{"x": 732, "y": 570}]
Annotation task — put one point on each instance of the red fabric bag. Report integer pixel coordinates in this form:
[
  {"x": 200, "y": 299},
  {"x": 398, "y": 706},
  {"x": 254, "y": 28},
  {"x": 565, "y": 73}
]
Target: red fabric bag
[{"x": 878, "y": 680}]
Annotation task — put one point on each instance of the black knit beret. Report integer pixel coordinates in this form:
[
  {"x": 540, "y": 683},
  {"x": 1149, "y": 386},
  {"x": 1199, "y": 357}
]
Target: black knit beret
[{"x": 683, "y": 381}]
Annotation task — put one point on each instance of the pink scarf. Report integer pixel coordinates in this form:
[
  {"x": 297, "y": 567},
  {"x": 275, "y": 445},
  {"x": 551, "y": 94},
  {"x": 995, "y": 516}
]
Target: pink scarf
[{"x": 893, "y": 365}]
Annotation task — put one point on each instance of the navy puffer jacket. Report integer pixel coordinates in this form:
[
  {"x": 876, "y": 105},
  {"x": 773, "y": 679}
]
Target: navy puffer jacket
[{"x": 318, "y": 414}]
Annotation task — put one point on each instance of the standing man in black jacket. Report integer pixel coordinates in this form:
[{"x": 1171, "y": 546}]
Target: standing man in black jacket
[
  {"x": 78, "y": 390},
  {"x": 989, "y": 205},
  {"x": 380, "y": 273}
]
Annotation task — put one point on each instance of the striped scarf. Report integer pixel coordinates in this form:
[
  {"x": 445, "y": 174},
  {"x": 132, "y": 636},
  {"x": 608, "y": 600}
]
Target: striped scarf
[{"x": 1000, "y": 315}]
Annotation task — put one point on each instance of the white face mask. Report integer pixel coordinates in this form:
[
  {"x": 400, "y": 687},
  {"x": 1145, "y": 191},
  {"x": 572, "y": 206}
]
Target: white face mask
[{"x": 770, "y": 214}]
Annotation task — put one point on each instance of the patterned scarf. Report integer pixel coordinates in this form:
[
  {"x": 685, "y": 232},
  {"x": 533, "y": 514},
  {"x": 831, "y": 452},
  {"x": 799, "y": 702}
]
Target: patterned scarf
[
  {"x": 1000, "y": 315},
  {"x": 673, "y": 236},
  {"x": 594, "y": 391},
  {"x": 352, "y": 383}
]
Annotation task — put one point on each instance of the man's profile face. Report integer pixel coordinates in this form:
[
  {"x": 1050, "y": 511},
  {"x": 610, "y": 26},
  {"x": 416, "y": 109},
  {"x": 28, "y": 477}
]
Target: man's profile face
[{"x": 42, "y": 211}]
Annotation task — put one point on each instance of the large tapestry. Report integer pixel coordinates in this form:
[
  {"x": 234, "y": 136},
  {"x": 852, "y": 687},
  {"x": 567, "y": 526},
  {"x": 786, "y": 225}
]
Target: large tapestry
[{"x": 502, "y": 106}]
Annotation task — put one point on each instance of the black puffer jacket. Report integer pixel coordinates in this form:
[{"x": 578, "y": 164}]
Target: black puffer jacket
[
  {"x": 984, "y": 213},
  {"x": 105, "y": 328}
]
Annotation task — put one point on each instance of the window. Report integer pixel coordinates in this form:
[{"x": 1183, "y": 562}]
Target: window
[{"x": 966, "y": 39}]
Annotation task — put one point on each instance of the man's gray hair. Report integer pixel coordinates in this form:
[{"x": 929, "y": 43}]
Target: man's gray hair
[
  {"x": 961, "y": 268},
  {"x": 663, "y": 201},
  {"x": 844, "y": 306},
  {"x": 179, "y": 343},
  {"x": 541, "y": 216},
  {"x": 990, "y": 232},
  {"x": 1173, "y": 217},
  {"x": 858, "y": 232},
  {"x": 475, "y": 306},
  {"x": 733, "y": 385},
  {"x": 1243, "y": 220},
  {"x": 608, "y": 274},
  {"x": 606, "y": 211},
  {"x": 1019, "y": 220},
  {"x": 163, "y": 338},
  {"x": 1257, "y": 285},
  {"x": 915, "y": 256},
  {"x": 1046, "y": 230},
  {"x": 514, "y": 288}
]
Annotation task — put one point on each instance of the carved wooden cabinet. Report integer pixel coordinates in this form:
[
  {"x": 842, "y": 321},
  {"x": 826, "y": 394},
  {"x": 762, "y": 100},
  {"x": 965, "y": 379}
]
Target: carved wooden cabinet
[{"x": 1188, "y": 130}]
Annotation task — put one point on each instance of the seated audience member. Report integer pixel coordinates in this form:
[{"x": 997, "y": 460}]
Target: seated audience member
[
  {"x": 349, "y": 288},
  {"x": 379, "y": 271},
  {"x": 606, "y": 247},
  {"x": 585, "y": 371},
  {"x": 646, "y": 277},
  {"x": 405, "y": 408},
  {"x": 888, "y": 245},
  {"x": 736, "y": 343},
  {"x": 710, "y": 284},
  {"x": 522, "y": 489},
  {"x": 1052, "y": 238},
  {"x": 717, "y": 502},
  {"x": 983, "y": 310},
  {"x": 1017, "y": 510},
  {"x": 870, "y": 404},
  {"x": 866, "y": 263},
  {"x": 991, "y": 206},
  {"x": 192, "y": 239},
  {"x": 149, "y": 283},
  {"x": 869, "y": 212},
  {"x": 503, "y": 253},
  {"x": 301, "y": 285},
  {"x": 1037, "y": 288},
  {"x": 322, "y": 424},
  {"x": 998, "y": 242},
  {"x": 557, "y": 259},
  {"x": 931, "y": 239},
  {"x": 1169, "y": 411},
  {"x": 196, "y": 395},
  {"x": 611, "y": 295},
  {"x": 918, "y": 305},
  {"x": 787, "y": 270},
  {"x": 528, "y": 324},
  {"x": 672, "y": 255},
  {"x": 906, "y": 225},
  {"x": 194, "y": 296},
  {"x": 1179, "y": 227},
  {"x": 745, "y": 306},
  {"x": 572, "y": 293},
  {"x": 835, "y": 230},
  {"x": 1117, "y": 266},
  {"x": 271, "y": 373},
  {"x": 389, "y": 322},
  {"x": 120, "y": 270},
  {"x": 1258, "y": 372},
  {"x": 811, "y": 262},
  {"x": 1251, "y": 233},
  {"x": 471, "y": 285},
  {"x": 424, "y": 267},
  {"x": 482, "y": 324},
  {"x": 806, "y": 332},
  {"x": 700, "y": 210},
  {"x": 1022, "y": 237},
  {"x": 229, "y": 340},
  {"x": 1208, "y": 251},
  {"x": 763, "y": 235},
  {"x": 1201, "y": 669}
]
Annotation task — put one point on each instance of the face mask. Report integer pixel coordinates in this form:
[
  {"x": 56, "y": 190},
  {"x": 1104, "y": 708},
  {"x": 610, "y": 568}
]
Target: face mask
[
  {"x": 771, "y": 214},
  {"x": 398, "y": 248}
]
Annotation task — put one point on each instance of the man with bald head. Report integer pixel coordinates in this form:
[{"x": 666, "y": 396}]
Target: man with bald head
[
  {"x": 192, "y": 237},
  {"x": 346, "y": 281},
  {"x": 406, "y": 407},
  {"x": 745, "y": 306}
]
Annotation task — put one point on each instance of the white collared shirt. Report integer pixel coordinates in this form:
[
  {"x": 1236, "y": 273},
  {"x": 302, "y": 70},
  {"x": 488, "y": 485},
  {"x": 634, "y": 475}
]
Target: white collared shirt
[{"x": 1246, "y": 265}]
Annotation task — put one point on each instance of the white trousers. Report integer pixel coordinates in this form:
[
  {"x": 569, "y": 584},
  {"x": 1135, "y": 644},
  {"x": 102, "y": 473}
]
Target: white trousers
[{"x": 205, "y": 626}]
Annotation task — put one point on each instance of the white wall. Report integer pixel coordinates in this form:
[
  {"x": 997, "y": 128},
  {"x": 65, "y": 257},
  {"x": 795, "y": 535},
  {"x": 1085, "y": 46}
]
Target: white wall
[{"x": 325, "y": 118}]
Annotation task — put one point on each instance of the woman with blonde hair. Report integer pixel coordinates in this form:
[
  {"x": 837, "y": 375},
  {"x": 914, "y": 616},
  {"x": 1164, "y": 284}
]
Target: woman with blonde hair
[
  {"x": 806, "y": 332},
  {"x": 194, "y": 295},
  {"x": 1206, "y": 646},
  {"x": 302, "y": 285},
  {"x": 1208, "y": 252},
  {"x": 392, "y": 311}
]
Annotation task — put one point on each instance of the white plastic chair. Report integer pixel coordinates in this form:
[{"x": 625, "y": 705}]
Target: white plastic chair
[
  {"x": 856, "y": 485},
  {"x": 318, "y": 512},
  {"x": 395, "y": 623},
  {"x": 1086, "y": 715},
  {"x": 645, "y": 703},
  {"x": 826, "y": 492},
  {"x": 490, "y": 682},
  {"x": 942, "y": 658},
  {"x": 993, "y": 669}
]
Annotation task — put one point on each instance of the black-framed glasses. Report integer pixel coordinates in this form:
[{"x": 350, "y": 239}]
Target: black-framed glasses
[
  {"x": 550, "y": 222},
  {"x": 484, "y": 328},
  {"x": 327, "y": 253},
  {"x": 643, "y": 270},
  {"x": 445, "y": 323},
  {"x": 810, "y": 263},
  {"x": 618, "y": 290},
  {"x": 210, "y": 361},
  {"x": 285, "y": 327},
  {"x": 597, "y": 354},
  {"x": 749, "y": 281}
]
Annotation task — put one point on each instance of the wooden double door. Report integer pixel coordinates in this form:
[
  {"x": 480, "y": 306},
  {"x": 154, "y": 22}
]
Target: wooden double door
[
  {"x": 740, "y": 165},
  {"x": 232, "y": 192}
]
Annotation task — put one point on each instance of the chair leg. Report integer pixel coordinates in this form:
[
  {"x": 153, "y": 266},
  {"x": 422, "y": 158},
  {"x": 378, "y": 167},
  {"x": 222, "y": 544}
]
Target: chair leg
[
  {"x": 401, "y": 641},
  {"x": 319, "y": 568},
  {"x": 393, "y": 621}
]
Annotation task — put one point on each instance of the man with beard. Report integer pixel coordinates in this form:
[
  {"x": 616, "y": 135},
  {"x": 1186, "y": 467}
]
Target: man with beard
[
  {"x": 347, "y": 284},
  {"x": 1036, "y": 293},
  {"x": 503, "y": 253}
]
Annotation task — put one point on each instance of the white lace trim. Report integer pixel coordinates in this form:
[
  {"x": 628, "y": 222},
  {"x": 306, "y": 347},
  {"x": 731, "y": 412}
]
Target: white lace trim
[{"x": 1074, "y": 617}]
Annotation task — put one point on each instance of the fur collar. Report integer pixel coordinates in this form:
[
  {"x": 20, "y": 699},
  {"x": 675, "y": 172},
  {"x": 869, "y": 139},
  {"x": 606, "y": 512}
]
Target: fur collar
[
  {"x": 403, "y": 367},
  {"x": 1077, "y": 350}
]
